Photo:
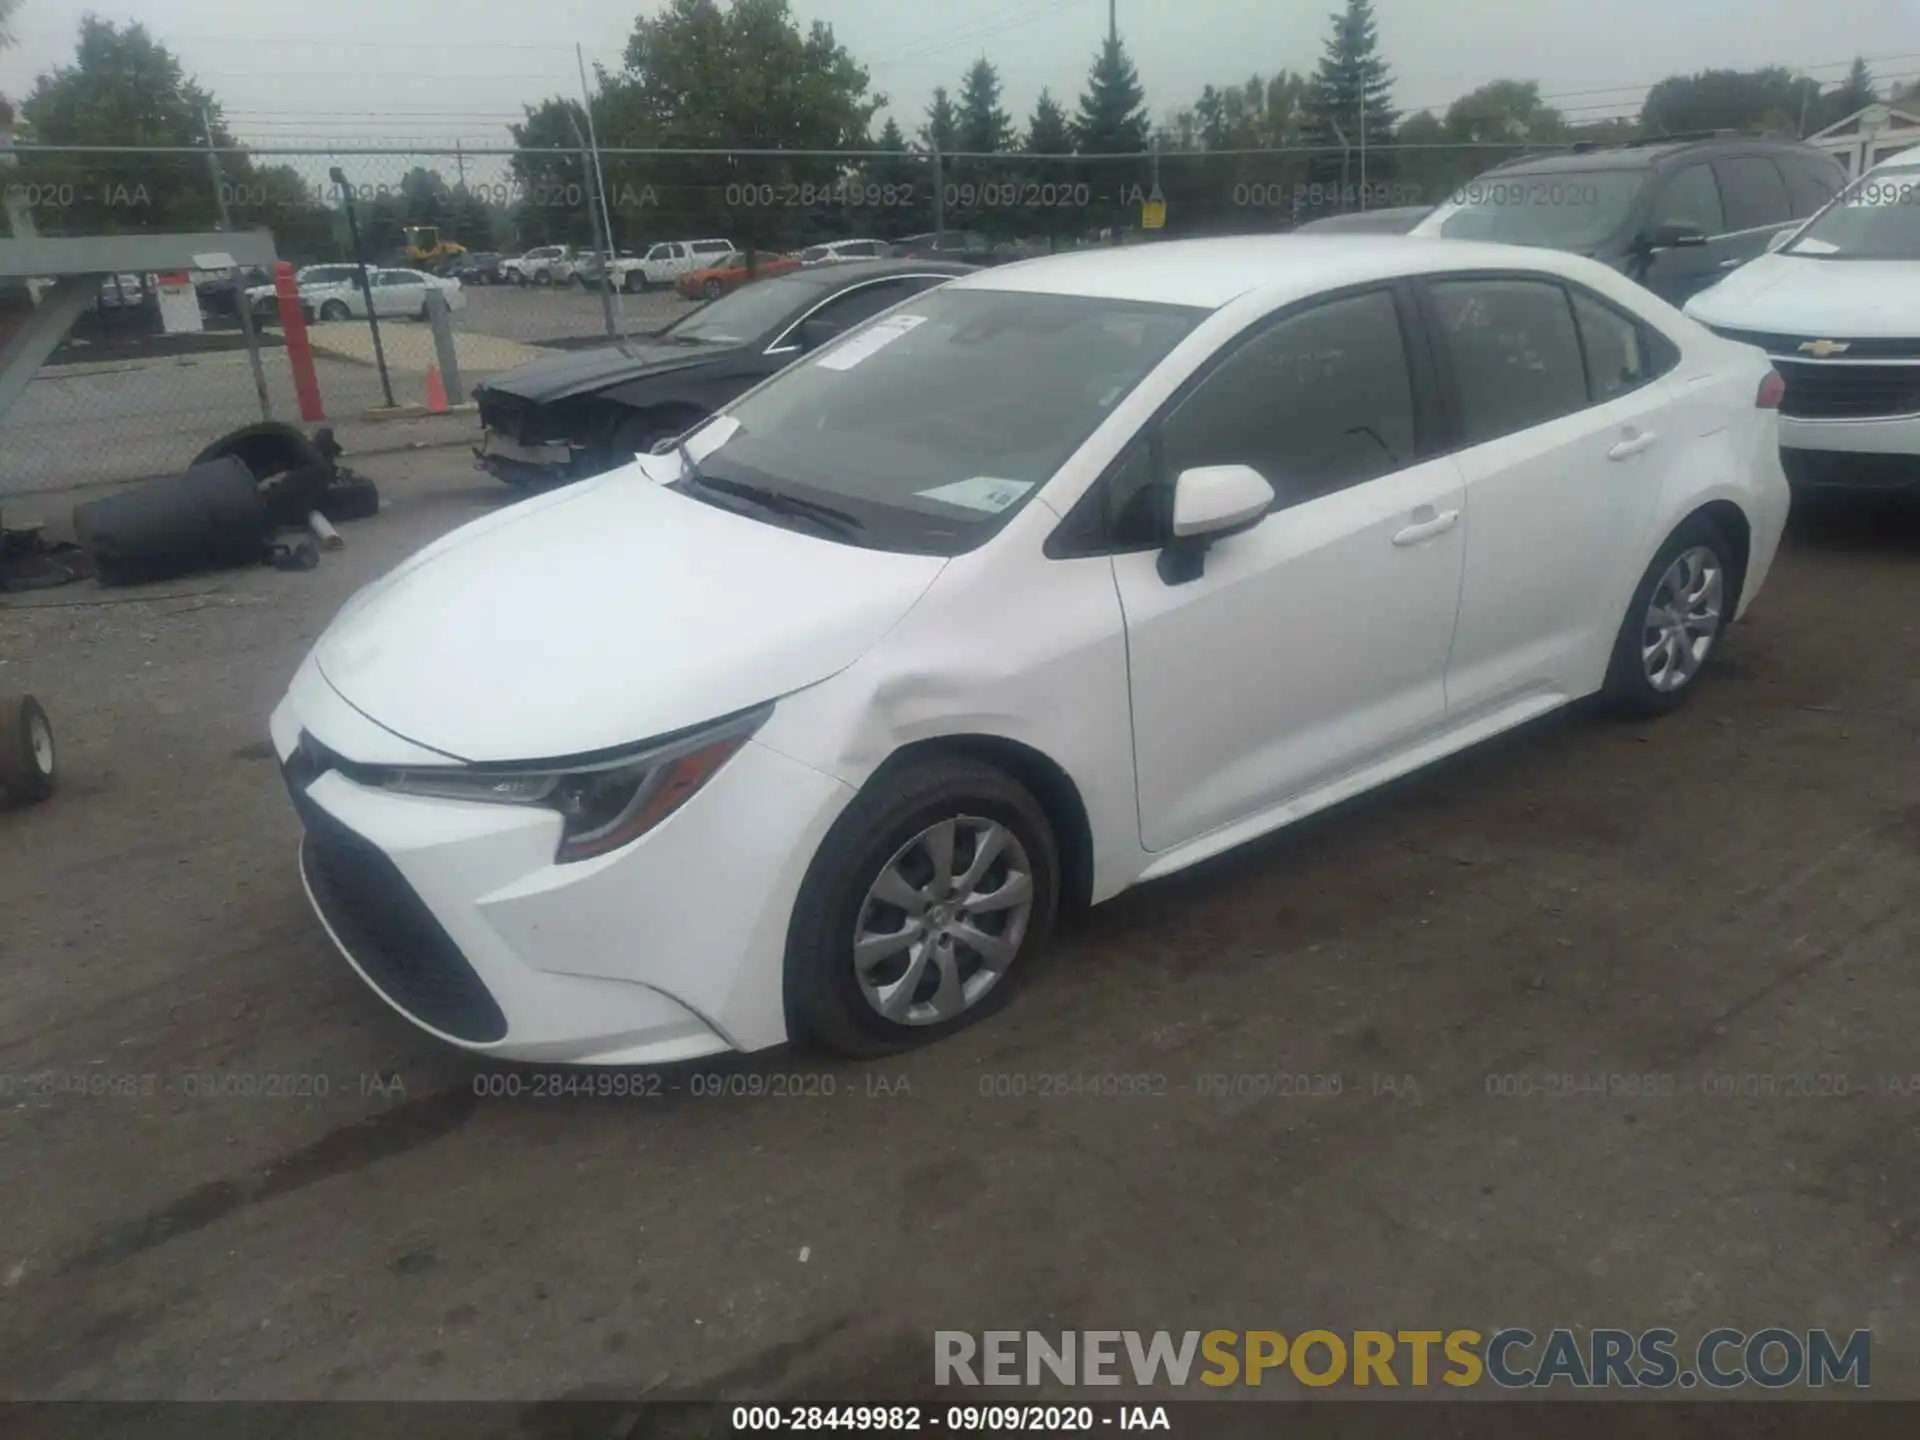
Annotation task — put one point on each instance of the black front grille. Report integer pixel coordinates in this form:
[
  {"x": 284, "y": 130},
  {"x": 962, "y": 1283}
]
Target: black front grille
[
  {"x": 1788, "y": 346},
  {"x": 1833, "y": 391},
  {"x": 384, "y": 924}
]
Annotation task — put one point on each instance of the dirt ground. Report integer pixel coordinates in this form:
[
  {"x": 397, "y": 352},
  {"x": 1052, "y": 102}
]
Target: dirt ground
[{"x": 1726, "y": 897}]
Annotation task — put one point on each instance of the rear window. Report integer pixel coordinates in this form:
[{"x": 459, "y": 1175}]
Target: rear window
[{"x": 1555, "y": 209}]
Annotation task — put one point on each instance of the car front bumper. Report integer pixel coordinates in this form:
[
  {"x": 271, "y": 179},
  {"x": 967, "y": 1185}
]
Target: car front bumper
[
  {"x": 1875, "y": 454},
  {"x": 456, "y": 915}
]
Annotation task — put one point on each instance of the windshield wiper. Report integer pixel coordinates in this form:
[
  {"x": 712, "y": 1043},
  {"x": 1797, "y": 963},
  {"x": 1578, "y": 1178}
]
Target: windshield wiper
[{"x": 775, "y": 501}]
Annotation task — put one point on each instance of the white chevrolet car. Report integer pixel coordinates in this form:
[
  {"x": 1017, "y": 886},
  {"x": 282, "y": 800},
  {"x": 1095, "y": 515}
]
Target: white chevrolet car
[
  {"x": 1048, "y": 581},
  {"x": 1837, "y": 306}
]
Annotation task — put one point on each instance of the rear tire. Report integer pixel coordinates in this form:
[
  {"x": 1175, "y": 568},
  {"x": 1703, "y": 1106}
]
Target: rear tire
[
  {"x": 936, "y": 983},
  {"x": 713, "y": 289},
  {"x": 27, "y": 768},
  {"x": 1674, "y": 622}
]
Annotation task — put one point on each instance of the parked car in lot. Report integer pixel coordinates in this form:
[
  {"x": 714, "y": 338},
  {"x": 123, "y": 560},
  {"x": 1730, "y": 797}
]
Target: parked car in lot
[
  {"x": 395, "y": 292},
  {"x": 1394, "y": 220},
  {"x": 476, "y": 267},
  {"x": 839, "y": 252},
  {"x": 962, "y": 246},
  {"x": 536, "y": 267},
  {"x": 1674, "y": 214},
  {"x": 310, "y": 279},
  {"x": 1056, "y": 578},
  {"x": 665, "y": 262},
  {"x": 730, "y": 272},
  {"x": 581, "y": 412},
  {"x": 1837, "y": 307}
]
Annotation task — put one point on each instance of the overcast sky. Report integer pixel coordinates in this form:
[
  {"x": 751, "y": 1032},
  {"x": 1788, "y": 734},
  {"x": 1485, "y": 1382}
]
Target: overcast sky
[{"x": 409, "y": 71}]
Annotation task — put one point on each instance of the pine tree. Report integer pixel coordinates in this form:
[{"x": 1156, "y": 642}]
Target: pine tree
[
  {"x": 1351, "y": 94},
  {"x": 1050, "y": 135},
  {"x": 906, "y": 185},
  {"x": 1854, "y": 94},
  {"x": 1112, "y": 120},
  {"x": 942, "y": 123},
  {"x": 1048, "y": 132},
  {"x": 981, "y": 126},
  {"x": 1113, "y": 115}
]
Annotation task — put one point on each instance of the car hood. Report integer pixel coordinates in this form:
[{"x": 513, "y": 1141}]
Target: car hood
[
  {"x": 604, "y": 614},
  {"x": 577, "y": 372},
  {"x": 1794, "y": 295}
]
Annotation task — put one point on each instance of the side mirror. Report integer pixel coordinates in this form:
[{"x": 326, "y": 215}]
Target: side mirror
[
  {"x": 1210, "y": 503},
  {"x": 1674, "y": 235},
  {"x": 1781, "y": 237}
]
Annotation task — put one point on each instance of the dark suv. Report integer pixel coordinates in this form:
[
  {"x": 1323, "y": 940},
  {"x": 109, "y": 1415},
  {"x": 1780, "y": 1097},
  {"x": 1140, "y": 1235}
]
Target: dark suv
[{"x": 1676, "y": 214}]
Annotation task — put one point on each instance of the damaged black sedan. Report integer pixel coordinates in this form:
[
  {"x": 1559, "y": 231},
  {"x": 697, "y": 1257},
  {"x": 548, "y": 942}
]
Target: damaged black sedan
[{"x": 587, "y": 411}]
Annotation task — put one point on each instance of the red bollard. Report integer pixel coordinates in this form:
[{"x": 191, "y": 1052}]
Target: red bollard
[{"x": 306, "y": 384}]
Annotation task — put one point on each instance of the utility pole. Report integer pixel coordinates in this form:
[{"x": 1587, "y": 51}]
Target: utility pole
[
  {"x": 460, "y": 163},
  {"x": 599, "y": 180},
  {"x": 240, "y": 305},
  {"x": 1113, "y": 22}
]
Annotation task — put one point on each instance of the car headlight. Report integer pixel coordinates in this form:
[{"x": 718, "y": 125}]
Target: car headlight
[{"x": 606, "y": 803}]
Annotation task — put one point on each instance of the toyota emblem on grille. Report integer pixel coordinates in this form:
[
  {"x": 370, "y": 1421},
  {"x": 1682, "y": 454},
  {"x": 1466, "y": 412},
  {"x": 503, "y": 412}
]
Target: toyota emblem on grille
[{"x": 1821, "y": 349}]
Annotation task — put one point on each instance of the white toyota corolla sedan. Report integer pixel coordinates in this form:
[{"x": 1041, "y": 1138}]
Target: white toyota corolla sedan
[{"x": 1052, "y": 580}]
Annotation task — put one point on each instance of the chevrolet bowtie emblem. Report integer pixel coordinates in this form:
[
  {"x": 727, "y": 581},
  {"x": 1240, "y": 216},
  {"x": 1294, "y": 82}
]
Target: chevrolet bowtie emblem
[{"x": 1821, "y": 349}]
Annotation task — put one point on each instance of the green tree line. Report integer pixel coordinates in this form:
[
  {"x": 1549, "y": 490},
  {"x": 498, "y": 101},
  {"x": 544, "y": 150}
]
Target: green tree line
[{"x": 787, "y": 115}]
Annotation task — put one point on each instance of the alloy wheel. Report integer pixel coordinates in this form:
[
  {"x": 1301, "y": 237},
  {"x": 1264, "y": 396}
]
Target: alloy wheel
[
  {"x": 1683, "y": 619},
  {"x": 943, "y": 921}
]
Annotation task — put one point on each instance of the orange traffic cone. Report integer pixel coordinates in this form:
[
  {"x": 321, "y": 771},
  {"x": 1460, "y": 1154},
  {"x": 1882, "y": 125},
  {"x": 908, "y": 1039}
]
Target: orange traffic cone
[{"x": 436, "y": 391}]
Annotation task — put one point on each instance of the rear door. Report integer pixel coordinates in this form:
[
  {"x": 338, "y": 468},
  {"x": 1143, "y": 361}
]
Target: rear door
[{"x": 1558, "y": 410}]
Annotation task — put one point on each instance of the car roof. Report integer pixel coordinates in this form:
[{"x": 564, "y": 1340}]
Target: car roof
[
  {"x": 855, "y": 271},
  {"x": 1209, "y": 274},
  {"x": 1651, "y": 154}
]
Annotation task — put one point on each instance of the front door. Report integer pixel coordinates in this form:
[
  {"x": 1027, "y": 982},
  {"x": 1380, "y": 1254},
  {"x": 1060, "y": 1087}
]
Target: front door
[
  {"x": 1317, "y": 641},
  {"x": 1689, "y": 196}
]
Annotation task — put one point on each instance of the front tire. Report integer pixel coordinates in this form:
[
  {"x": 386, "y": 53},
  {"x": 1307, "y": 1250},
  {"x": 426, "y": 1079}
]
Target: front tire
[
  {"x": 930, "y": 901},
  {"x": 713, "y": 289},
  {"x": 1679, "y": 610},
  {"x": 335, "y": 310}
]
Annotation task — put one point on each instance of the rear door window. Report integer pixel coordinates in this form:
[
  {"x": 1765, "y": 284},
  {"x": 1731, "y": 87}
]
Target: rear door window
[
  {"x": 1514, "y": 353},
  {"x": 1756, "y": 196}
]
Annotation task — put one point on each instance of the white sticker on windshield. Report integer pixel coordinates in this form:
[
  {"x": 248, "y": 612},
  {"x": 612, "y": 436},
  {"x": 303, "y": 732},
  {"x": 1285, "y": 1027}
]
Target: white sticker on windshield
[
  {"x": 980, "y": 493},
  {"x": 876, "y": 337}
]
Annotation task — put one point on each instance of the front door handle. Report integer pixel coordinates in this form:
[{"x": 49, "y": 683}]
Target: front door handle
[
  {"x": 1733, "y": 264},
  {"x": 1632, "y": 446},
  {"x": 1428, "y": 527}
]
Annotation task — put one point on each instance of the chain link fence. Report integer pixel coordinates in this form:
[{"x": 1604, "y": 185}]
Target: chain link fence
[{"x": 134, "y": 391}]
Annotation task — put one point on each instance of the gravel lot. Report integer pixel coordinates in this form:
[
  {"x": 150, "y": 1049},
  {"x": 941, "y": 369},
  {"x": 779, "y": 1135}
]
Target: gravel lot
[{"x": 1728, "y": 892}]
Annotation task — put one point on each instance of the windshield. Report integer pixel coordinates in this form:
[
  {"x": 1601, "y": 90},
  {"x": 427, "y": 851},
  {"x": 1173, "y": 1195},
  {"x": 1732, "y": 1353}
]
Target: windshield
[
  {"x": 1875, "y": 218},
  {"x": 1560, "y": 210},
  {"x": 747, "y": 313},
  {"x": 936, "y": 422}
]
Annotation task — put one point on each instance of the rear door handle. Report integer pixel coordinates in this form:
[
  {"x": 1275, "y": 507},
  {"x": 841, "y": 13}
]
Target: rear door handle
[
  {"x": 1632, "y": 446},
  {"x": 1428, "y": 528}
]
